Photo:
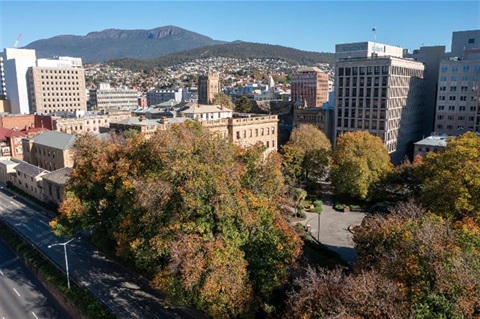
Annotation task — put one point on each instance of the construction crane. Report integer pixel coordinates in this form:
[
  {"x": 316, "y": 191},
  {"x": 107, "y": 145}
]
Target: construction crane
[{"x": 16, "y": 41}]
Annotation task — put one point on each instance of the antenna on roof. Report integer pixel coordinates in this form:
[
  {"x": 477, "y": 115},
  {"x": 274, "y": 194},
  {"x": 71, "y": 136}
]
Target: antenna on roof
[{"x": 16, "y": 41}]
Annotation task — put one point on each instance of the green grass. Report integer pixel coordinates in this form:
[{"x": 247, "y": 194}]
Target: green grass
[{"x": 80, "y": 297}]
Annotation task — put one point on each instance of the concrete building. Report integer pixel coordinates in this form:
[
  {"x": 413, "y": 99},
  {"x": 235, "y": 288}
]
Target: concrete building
[
  {"x": 431, "y": 56},
  {"x": 28, "y": 178},
  {"x": 458, "y": 98},
  {"x": 208, "y": 87},
  {"x": 381, "y": 93},
  {"x": 309, "y": 84},
  {"x": 205, "y": 112},
  {"x": 11, "y": 140},
  {"x": 50, "y": 150},
  {"x": 159, "y": 96},
  {"x": 7, "y": 169},
  {"x": 3, "y": 87},
  {"x": 57, "y": 86},
  {"x": 81, "y": 125},
  {"x": 53, "y": 185},
  {"x": 464, "y": 40},
  {"x": 106, "y": 97},
  {"x": 321, "y": 117},
  {"x": 16, "y": 63},
  {"x": 430, "y": 144}
]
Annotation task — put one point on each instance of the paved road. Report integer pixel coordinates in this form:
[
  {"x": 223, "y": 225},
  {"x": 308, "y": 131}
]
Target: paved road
[
  {"x": 126, "y": 295},
  {"x": 21, "y": 294}
]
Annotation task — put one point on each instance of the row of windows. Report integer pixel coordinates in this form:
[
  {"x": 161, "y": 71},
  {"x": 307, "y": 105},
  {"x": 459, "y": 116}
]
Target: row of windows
[
  {"x": 361, "y": 113},
  {"x": 59, "y": 71},
  {"x": 454, "y": 88},
  {"x": 74, "y": 88},
  {"x": 450, "y": 127},
  {"x": 453, "y": 98},
  {"x": 60, "y": 99},
  {"x": 362, "y": 92},
  {"x": 361, "y": 124},
  {"x": 455, "y": 78},
  {"x": 60, "y": 83},
  {"x": 362, "y": 81},
  {"x": 59, "y": 77},
  {"x": 453, "y": 108},
  {"x": 452, "y": 117},
  {"x": 361, "y": 103},
  {"x": 369, "y": 70},
  {"x": 257, "y": 131},
  {"x": 61, "y": 94},
  {"x": 455, "y": 68}
]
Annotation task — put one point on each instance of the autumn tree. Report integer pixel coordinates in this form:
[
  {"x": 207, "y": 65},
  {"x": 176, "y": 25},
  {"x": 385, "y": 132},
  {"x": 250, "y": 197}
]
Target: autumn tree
[
  {"x": 359, "y": 160},
  {"x": 450, "y": 181},
  {"x": 191, "y": 210},
  {"x": 223, "y": 99},
  {"x": 306, "y": 155},
  {"x": 243, "y": 105}
]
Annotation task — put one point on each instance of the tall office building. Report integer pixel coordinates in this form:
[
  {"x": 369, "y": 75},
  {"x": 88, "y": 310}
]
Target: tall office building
[
  {"x": 377, "y": 90},
  {"x": 464, "y": 40},
  {"x": 15, "y": 86},
  {"x": 107, "y": 98},
  {"x": 310, "y": 85},
  {"x": 458, "y": 96},
  {"x": 57, "y": 86},
  {"x": 208, "y": 87}
]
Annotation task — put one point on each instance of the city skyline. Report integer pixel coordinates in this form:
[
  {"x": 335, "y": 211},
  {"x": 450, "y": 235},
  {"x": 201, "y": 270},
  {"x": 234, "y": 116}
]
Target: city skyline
[{"x": 308, "y": 25}]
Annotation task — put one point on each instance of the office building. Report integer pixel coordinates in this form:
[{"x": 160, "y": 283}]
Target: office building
[
  {"x": 309, "y": 85},
  {"x": 15, "y": 86},
  {"x": 155, "y": 97},
  {"x": 57, "y": 86},
  {"x": 458, "y": 97},
  {"x": 379, "y": 91},
  {"x": 106, "y": 98},
  {"x": 464, "y": 40}
]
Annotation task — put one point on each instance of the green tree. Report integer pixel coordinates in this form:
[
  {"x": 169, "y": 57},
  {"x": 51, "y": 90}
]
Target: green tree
[
  {"x": 191, "y": 210},
  {"x": 359, "y": 161},
  {"x": 243, "y": 105},
  {"x": 223, "y": 99},
  {"x": 450, "y": 181},
  {"x": 307, "y": 155}
]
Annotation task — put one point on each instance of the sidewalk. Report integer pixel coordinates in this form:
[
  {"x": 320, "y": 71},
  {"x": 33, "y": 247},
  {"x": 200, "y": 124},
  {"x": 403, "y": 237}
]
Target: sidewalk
[{"x": 332, "y": 228}]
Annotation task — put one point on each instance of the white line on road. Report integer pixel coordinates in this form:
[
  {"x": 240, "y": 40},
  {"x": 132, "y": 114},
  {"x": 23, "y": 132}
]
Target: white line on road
[
  {"x": 1, "y": 273},
  {"x": 43, "y": 222},
  {"x": 16, "y": 292},
  {"x": 24, "y": 225},
  {"x": 33, "y": 313}
]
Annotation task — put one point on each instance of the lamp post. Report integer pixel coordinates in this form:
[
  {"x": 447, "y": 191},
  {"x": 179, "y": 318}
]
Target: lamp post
[{"x": 66, "y": 258}]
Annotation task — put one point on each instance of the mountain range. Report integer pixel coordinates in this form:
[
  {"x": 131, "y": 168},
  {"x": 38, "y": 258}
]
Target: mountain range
[{"x": 162, "y": 47}]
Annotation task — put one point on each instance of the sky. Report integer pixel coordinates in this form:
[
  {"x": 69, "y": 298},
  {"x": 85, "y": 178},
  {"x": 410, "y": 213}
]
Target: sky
[{"x": 305, "y": 25}]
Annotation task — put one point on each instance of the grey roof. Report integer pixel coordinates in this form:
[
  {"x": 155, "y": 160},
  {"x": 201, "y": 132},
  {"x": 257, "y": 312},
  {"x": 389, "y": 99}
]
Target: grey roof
[
  {"x": 137, "y": 121},
  {"x": 55, "y": 139},
  {"x": 29, "y": 169},
  {"x": 205, "y": 108},
  {"x": 433, "y": 141},
  {"x": 60, "y": 176},
  {"x": 8, "y": 162}
]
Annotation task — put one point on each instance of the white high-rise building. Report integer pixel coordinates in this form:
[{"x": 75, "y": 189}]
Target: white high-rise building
[
  {"x": 379, "y": 91},
  {"x": 16, "y": 63}
]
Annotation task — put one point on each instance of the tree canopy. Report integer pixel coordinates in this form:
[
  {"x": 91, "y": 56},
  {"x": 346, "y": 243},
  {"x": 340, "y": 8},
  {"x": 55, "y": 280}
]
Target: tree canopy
[
  {"x": 307, "y": 155},
  {"x": 243, "y": 105},
  {"x": 450, "y": 181},
  {"x": 194, "y": 212},
  {"x": 223, "y": 99},
  {"x": 359, "y": 160}
]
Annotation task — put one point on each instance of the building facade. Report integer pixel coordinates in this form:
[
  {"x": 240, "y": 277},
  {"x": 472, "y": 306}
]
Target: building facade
[
  {"x": 382, "y": 95},
  {"x": 82, "y": 125},
  {"x": 435, "y": 144},
  {"x": 208, "y": 87},
  {"x": 50, "y": 150},
  {"x": 309, "y": 85},
  {"x": 16, "y": 63},
  {"x": 159, "y": 96},
  {"x": 53, "y": 185},
  {"x": 106, "y": 97},
  {"x": 458, "y": 98},
  {"x": 28, "y": 178},
  {"x": 57, "y": 88}
]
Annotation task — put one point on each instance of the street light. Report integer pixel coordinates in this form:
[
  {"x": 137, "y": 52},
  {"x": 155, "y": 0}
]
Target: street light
[{"x": 66, "y": 258}]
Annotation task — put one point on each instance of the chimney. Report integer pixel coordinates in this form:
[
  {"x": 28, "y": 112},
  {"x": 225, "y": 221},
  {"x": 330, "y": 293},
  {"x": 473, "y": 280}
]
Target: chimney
[
  {"x": 164, "y": 120},
  {"x": 141, "y": 117}
]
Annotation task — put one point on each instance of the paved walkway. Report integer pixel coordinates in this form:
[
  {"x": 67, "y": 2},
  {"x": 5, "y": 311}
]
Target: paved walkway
[{"x": 332, "y": 228}]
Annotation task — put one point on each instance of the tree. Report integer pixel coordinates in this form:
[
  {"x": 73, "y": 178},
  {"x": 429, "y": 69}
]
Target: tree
[
  {"x": 450, "y": 181},
  {"x": 243, "y": 105},
  {"x": 359, "y": 160},
  {"x": 191, "y": 210},
  {"x": 306, "y": 155},
  {"x": 223, "y": 99}
]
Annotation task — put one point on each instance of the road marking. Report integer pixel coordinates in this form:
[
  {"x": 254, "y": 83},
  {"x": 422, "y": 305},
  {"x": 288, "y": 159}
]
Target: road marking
[
  {"x": 1, "y": 273},
  {"x": 43, "y": 222},
  {"x": 16, "y": 292},
  {"x": 33, "y": 313},
  {"x": 24, "y": 225}
]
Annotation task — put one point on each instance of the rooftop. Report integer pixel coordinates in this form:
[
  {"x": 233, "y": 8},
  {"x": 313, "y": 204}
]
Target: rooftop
[
  {"x": 440, "y": 140},
  {"x": 29, "y": 169},
  {"x": 60, "y": 176},
  {"x": 55, "y": 139}
]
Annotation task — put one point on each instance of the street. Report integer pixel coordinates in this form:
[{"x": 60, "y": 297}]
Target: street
[
  {"x": 21, "y": 294},
  {"x": 124, "y": 294}
]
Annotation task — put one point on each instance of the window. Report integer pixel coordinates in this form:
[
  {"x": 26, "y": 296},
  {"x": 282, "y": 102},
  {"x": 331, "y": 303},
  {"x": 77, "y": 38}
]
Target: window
[
  {"x": 454, "y": 78},
  {"x": 471, "y": 40},
  {"x": 451, "y": 107},
  {"x": 454, "y": 68},
  {"x": 453, "y": 88},
  {"x": 443, "y": 79},
  {"x": 444, "y": 69},
  {"x": 452, "y": 98},
  {"x": 466, "y": 68}
]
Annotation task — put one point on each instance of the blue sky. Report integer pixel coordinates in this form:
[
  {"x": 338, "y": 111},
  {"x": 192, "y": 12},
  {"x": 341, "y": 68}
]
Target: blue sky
[{"x": 306, "y": 25}]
